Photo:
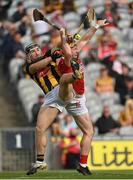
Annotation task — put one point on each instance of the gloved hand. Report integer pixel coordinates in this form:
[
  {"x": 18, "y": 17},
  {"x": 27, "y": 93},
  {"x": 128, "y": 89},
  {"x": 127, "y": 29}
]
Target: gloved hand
[
  {"x": 47, "y": 53},
  {"x": 55, "y": 54}
]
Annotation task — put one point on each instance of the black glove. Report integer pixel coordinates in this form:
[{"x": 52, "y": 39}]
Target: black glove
[
  {"x": 47, "y": 53},
  {"x": 55, "y": 54}
]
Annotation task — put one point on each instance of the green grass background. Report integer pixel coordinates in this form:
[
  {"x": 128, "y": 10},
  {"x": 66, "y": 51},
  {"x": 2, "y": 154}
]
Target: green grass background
[{"x": 68, "y": 174}]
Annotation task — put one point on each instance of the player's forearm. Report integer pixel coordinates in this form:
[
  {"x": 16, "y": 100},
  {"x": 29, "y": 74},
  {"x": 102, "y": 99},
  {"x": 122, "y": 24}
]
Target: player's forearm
[
  {"x": 65, "y": 46},
  {"x": 39, "y": 65},
  {"x": 86, "y": 37},
  {"x": 66, "y": 50}
]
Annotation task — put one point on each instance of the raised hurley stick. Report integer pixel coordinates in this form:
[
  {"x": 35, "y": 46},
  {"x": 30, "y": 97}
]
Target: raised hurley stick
[
  {"x": 37, "y": 15},
  {"x": 91, "y": 16}
]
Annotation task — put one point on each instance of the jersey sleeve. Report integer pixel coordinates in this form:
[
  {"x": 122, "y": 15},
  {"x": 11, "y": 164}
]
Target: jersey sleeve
[
  {"x": 63, "y": 68},
  {"x": 47, "y": 53},
  {"x": 27, "y": 66}
]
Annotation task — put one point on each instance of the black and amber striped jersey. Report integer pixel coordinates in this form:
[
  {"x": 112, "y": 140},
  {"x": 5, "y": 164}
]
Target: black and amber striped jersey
[{"x": 47, "y": 78}]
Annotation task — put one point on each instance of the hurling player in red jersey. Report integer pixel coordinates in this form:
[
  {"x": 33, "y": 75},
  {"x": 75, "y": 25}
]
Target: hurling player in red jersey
[{"x": 70, "y": 62}]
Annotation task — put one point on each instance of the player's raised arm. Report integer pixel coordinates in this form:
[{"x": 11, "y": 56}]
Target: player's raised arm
[
  {"x": 89, "y": 34},
  {"x": 66, "y": 50},
  {"x": 50, "y": 55},
  {"x": 35, "y": 67}
]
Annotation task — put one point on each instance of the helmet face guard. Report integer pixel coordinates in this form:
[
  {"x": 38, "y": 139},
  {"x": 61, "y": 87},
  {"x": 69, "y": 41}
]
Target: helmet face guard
[
  {"x": 30, "y": 46},
  {"x": 30, "y": 59}
]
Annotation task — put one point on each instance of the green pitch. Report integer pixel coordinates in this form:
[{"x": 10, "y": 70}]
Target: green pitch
[{"x": 67, "y": 174}]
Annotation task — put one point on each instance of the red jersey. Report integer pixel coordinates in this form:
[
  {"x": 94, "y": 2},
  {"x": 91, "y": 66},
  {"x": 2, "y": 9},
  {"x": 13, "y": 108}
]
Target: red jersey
[
  {"x": 107, "y": 49},
  {"x": 78, "y": 85},
  {"x": 73, "y": 145}
]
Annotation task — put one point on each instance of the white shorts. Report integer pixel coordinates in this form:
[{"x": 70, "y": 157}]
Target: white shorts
[
  {"x": 52, "y": 100},
  {"x": 77, "y": 106},
  {"x": 74, "y": 107}
]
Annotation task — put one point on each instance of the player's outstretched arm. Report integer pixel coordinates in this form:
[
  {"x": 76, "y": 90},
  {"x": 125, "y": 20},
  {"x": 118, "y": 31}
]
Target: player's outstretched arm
[
  {"x": 89, "y": 34},
  {"x": 35, "y": 67},
  {"x": 65, "y": 47}
]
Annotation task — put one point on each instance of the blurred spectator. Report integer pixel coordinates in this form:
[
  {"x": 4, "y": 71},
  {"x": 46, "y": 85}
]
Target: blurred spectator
[
  {"x": 109, "y": 13},
  {"x": 12, "y": 46},
  {"x": 104, "y": 83},
  {"x": 51, "y": 6},
  {"x": 128, "y": 93},
  {"x": 14, "y": 68},
  {"x": 107, "y": 49},
  {"x": 120, "y": 81},
  {"x": 7, "y": 45},
  {"x": 36, "y": 108},
  {"x": 2, "y": 34},
  {"x": 54, "y": 38},
  {"x": 53, "y": 42},
  {"x": 125, "y": 70},
  {"x": 17, "y": 47},
  {"x": 10, "y": 29},
  {"x": 128, "y": 38},
  {"x": 70, "y": 149},
  {"x": 123, "y": 5},
  {"x": 19, "y": 13},
  {"x": 68, "y": 6},
  {"x": 55, "y": 131},
  {"x": 117, "y": 66},
  {"x": 106, "y": 123},
  {"x": 24, "y": 25},
  {"x": 126, "y": 116},
  {"x": 4, "y": 6},
  {"x": 47, "y": 6},
  {"x": 67, "y": 124},
  {"x": 34, "y": 37},
  {"x": 57, "y": 18},
  {"x": 131, "y": 7},
  {"x": 56, "y": 128},
  {"x": 22, "y": 73},
  {"x": 92, "y": 57}
]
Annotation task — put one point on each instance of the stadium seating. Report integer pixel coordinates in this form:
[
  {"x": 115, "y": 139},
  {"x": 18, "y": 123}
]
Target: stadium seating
[
  {"x": 126, "y": 130},
  {"x": 14, "y": 68},
  {"x": 72, "y": 20},
  {"x": 81, "y": 6},
  {"x": 94, "y": 102},
  {"x": 28, "y": 92},
  {"x": 115, "y": 110}
]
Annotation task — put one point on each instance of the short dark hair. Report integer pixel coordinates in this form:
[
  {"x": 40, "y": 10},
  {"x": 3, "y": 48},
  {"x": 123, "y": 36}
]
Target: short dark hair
[
  {"x": 30, "y": 46},
  {"x": 20, "y": 3}
]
